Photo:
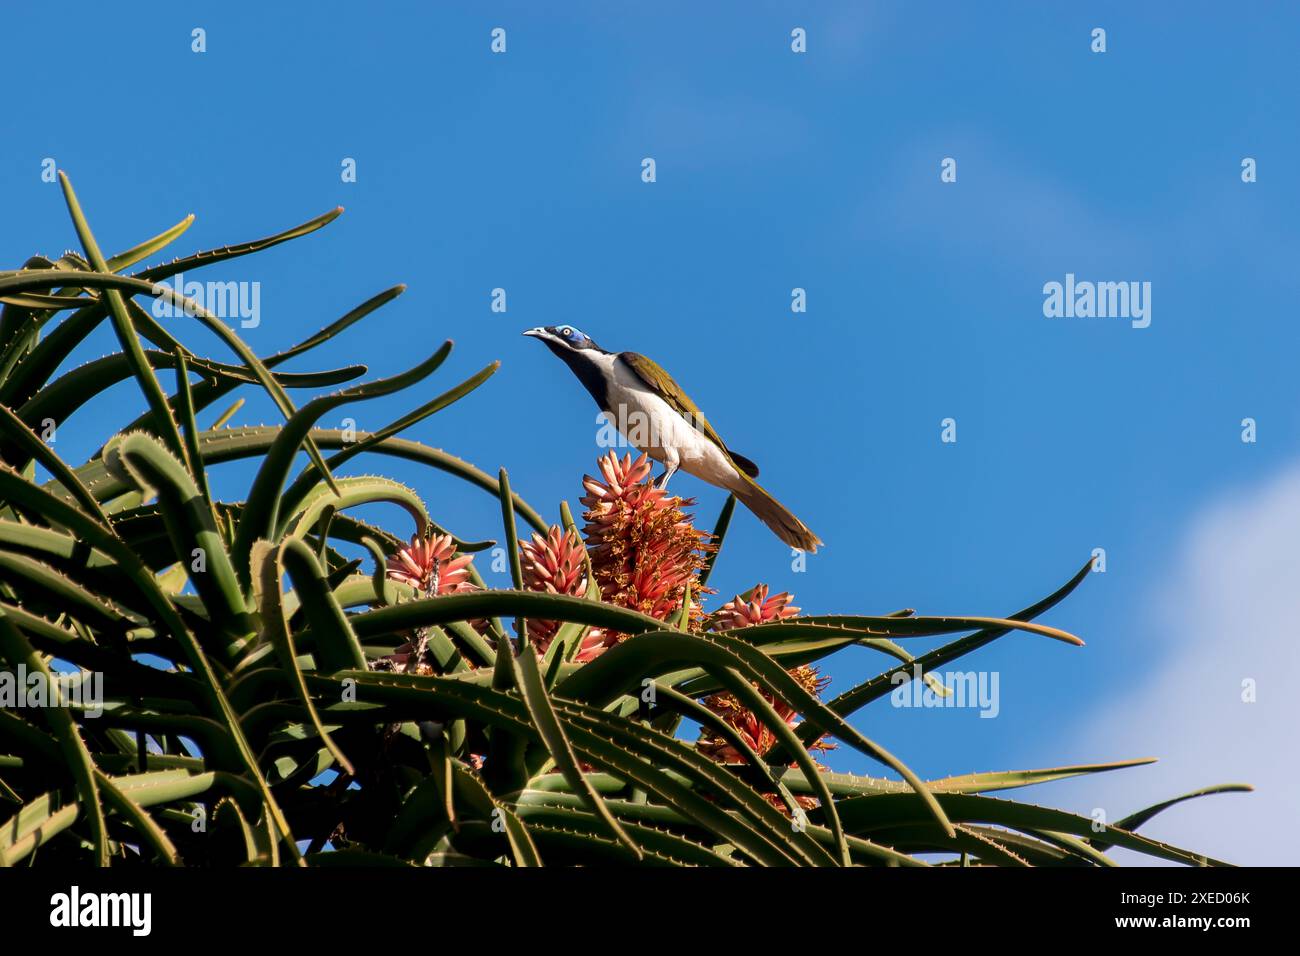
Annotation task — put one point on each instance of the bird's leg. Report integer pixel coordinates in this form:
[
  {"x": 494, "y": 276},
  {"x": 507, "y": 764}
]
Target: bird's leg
[{"x": 670, "y": 468}]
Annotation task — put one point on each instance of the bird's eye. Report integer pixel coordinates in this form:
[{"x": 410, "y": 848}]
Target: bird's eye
[{"x": 567, "y": 332}]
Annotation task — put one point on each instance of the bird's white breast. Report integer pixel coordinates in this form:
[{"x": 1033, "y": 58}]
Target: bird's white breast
[{"x": 655, "y": 427}]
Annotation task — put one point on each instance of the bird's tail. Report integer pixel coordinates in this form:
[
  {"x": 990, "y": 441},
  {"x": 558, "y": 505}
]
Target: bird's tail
[{"x": 775, "y": 515}]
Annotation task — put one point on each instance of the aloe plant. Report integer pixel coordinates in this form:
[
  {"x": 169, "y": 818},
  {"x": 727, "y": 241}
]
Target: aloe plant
[{"x": 269, "y": 699}]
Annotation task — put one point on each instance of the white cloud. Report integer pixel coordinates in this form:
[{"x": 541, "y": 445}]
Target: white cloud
[{"x": 1229, "y": 612}]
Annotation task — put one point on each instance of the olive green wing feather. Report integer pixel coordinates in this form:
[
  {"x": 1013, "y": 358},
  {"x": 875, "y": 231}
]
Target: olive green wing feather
[{"x": 656, "y": 378}]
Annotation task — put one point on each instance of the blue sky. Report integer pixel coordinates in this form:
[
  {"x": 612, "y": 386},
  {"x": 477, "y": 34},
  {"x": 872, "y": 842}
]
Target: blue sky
[{"x": 777, "y": 170}]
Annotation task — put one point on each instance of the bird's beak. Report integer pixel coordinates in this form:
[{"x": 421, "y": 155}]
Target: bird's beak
[{"x": 537, "y": 333}]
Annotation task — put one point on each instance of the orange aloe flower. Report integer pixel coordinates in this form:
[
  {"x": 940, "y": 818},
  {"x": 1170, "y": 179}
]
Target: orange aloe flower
[
  {"x": 737, "y": 613},
  {"x": 431, "y": 566},
  {"x": 644, "y": 549},
  {"x": 553, "y": 564}
]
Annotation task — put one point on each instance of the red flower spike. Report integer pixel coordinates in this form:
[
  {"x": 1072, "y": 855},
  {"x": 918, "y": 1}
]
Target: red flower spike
[
  {"x": 553, "y": 564},
  {"x": 430, "y": 566},
  {"x": 644, "y": 548},
  {"x": 738, "y": 613}
]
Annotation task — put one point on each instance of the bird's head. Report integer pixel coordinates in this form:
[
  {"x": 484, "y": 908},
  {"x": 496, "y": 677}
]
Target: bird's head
[{"x": 563, "y": 338}]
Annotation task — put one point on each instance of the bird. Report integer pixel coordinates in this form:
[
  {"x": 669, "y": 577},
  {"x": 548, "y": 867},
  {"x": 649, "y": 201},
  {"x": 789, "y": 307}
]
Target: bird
[{"x": 658, "y": 418}]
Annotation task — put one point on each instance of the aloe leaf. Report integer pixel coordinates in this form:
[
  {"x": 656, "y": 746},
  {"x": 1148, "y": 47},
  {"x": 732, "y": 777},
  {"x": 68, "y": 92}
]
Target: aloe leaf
[
  {"x": 529, "y": 680},
  {"x": 649, "y": 821},
  {"x": 650, "y": 760},
  {"x": 231, "y": 444},
  {"x": 126, "y": 334},
  {"x": 1135, "y": 820},
  {"x": 843, "y": 784},
  {"x": 646, "y": 820},
  {"x": 797, "y": 644},
  {"x": 55, "y": 303},
  {"x": 576, "y": 836},
  {"x": 1024, "y": 848},
  {"x": 298, "y": 489},
  {"x": 190, "y": 526},
  {"x": 472, "y": 605},
  {"x": 876, "y": 814},
  {"x": 120, "y": 801},
  {"x": 805, "y": 643},
  {"x": 1009, "y": 779},
  {"x": 17, "y": 322},
  {"x": 37, "y": 822},
  {"x": 1074, "y": 846},
  {"x": 506, "y": 771},
  {"x": 471, "y": 640},
  {"x": 69, "y": 644},
  {"x": 225, "y": 253},
  {"x": 226, "y": 807},
  {"x": 383, "y": 590},
  {"x": 336, "y": 646},
  {"x": 907, "y": 627},
  {"x": 350, "y": 318},
  {"x": 80, "y": 764},
  {"x": 522, "y": 847},
  {"x": 424, "y": 818},
  {"x": 760, "y": 707},
  {"x": 683, "y": 617},
  {"x": 59, "y": 400},
  {"x": 719, "y": 535},
  {"x": 365, "y": 858},
  {"x": 512, "y": 549},
  {"x": 31, "y": 742},
  {"x": 636, "y": 753},
  {"x": 36, "y": 450},
  {"x": 761, "y": 831},
  {"x": 606, "y": 677},
  {"x": 124, "y": 260},
  {"x": 228, "y": 414},
  {"x": 190, "y": 430},
  {"x": 114, "y": 284},
  {"x": 13, "y": 487},
  {"x": 27, "y": 362},
  {"x": 674, "y": 699},
  {"x": 60, "y": 591},
  {"x": 259, "y": 369},
  {"x": 147, "y": 326},
  {"x": 33, "y": 280},
  {"x": 512, "y": 537},
  {"x": 984, "y": 844},
  {"x": 364, "y": 489},
  {"x": 50, "y": 544},
  {"x": 260, "y": 516},
  {"x": 211, "y": 391},
  {"x": 861, "y": 695},
  {"x": 268, "y": 569}
]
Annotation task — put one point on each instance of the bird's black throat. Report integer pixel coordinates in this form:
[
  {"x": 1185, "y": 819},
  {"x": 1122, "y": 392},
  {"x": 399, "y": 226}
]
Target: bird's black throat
[{"x": 588, "y": 372}]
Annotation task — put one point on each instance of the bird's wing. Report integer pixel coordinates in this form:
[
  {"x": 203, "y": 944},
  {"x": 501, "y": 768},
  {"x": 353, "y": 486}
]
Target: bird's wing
[{"x": 656, "y": 378}]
